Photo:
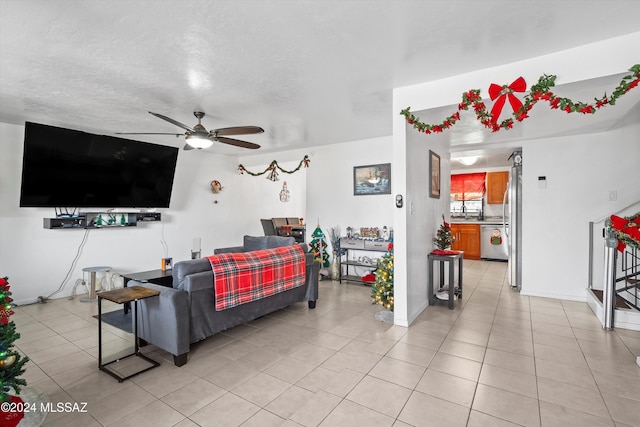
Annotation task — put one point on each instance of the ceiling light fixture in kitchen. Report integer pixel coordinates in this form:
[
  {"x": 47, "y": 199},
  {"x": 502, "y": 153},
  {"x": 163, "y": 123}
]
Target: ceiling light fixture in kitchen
[{"x": 468, "y": 161}]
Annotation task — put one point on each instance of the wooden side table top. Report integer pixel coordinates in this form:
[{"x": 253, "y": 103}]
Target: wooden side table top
[{"x": 128, "y": 294}]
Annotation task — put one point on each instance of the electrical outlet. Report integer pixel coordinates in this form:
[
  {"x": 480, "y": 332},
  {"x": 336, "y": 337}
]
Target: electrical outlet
[{"x": 613, "y": 195}]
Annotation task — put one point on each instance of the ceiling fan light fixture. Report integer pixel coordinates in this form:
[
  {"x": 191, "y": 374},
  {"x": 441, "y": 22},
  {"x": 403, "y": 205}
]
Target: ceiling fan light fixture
[{"x": 198, "y": 141}]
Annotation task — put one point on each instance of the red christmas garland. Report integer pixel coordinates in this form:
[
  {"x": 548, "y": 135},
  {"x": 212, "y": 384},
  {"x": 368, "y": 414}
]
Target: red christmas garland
[
  {"x": 626, "y": 230},
  {"x": 539, "y": 92}
]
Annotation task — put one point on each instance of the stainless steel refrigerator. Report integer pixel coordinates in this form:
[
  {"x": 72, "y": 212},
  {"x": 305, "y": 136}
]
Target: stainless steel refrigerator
[{"x": 512, "y": 214}]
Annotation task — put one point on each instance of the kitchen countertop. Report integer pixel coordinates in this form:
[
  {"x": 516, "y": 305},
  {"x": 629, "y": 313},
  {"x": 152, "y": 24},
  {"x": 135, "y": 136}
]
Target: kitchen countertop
[{"x": 474, "y": 220}]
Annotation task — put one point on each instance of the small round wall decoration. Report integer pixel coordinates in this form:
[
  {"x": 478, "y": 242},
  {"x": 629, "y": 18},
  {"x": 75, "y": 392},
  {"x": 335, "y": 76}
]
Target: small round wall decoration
[{"x": 216, "y": 187}]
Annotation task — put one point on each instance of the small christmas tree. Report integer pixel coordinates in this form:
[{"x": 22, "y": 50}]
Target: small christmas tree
[
  {"x": 444, "y": 238},
  {"x": 319, "y": 247},
  {"x": 382, "y": 288},
  {"x": 11, "y": 362}
]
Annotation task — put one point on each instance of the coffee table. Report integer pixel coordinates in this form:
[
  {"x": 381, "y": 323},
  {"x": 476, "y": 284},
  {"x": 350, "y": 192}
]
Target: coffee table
[{"x": 127, "y": 295}]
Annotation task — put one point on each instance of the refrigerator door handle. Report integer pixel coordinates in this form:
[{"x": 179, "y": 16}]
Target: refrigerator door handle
[{"x": 504, "y": 208}]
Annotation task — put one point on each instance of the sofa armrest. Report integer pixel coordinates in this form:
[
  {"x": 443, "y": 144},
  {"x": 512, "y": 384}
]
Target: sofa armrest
[{"x": 164, "y": 321}]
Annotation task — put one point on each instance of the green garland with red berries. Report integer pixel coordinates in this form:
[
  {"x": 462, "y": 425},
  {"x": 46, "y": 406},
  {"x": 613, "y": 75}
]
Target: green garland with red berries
[
  {"x": 540, "y": 91},
  {"x": 273, "y": 169}
]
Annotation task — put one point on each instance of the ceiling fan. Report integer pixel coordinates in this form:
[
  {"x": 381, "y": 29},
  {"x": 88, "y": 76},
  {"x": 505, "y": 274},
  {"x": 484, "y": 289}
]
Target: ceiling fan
[{"x": 198, "y": 137}]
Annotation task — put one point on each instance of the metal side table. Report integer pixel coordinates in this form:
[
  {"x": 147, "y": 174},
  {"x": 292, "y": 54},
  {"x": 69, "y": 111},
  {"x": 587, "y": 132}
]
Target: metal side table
[
  {"x": 453, "y": 288},
  {"x": 122, "y": 296}
]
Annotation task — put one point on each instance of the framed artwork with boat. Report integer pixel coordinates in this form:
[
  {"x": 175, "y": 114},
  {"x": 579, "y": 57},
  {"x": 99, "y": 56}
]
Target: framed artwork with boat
[{"x": 372, "y": 179}]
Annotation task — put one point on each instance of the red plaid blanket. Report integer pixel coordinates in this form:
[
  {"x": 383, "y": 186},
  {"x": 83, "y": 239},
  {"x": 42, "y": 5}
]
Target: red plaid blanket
[{"x": 249, "y": 276}]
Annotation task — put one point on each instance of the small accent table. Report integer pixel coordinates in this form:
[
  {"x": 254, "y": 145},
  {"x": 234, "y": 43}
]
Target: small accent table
[
  {"x": 122, "y": 296},
  {"x": 453, "y": 290}
]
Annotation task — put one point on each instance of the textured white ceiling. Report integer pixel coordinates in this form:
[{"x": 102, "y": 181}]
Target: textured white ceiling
[{"x": 309, "y": 72}]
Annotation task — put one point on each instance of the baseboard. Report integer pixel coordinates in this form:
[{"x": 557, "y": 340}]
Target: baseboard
[
  {"x": 567, "y": 297},
  {"x": 413, "y": 316}
]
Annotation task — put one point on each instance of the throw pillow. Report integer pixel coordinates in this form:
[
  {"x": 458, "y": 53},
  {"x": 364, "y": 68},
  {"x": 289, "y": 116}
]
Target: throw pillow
[{"x": 255, "y": 243}]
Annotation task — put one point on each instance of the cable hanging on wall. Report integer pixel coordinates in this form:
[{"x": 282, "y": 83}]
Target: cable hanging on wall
[{"x": 273, "y": 169}]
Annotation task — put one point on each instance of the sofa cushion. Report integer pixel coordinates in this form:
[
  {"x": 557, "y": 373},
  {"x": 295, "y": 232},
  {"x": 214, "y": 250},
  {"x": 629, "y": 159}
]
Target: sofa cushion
[{"x": 256, "y": 243}]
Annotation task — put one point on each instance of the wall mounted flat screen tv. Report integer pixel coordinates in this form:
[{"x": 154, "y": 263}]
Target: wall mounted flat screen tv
[{"x": 74, "y": 169}]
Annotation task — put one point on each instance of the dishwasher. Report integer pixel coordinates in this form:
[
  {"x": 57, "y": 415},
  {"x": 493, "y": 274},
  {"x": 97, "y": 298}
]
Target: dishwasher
[{"x": 493, "y": 242}]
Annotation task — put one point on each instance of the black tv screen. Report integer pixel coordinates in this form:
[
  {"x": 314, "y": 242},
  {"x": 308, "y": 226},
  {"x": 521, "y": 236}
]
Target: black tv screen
[{"x": 69, "y": 168}]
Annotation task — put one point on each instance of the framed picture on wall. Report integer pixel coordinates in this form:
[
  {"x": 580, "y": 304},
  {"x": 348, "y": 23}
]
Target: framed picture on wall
[
  {"x": 372, "y": 179},
  {"x": 434, "y": 174}
]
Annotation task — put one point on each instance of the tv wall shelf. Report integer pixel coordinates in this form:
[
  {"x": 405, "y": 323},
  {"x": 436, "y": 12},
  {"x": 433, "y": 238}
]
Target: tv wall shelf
[{"x": 101, "y": 220}]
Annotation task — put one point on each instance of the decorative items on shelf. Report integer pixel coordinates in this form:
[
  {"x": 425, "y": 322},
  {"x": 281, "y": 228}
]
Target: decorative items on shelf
[
  {"x": 11, "y": 362},
  {"x": 369, "y": 232},
  {"x": 273, "y": 169},
  {"x": 540, "y": 91},
  {"x": 112, "y": 219}
]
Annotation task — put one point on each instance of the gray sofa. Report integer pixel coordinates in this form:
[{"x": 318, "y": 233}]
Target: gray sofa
[{"x": 186, "y": 313}]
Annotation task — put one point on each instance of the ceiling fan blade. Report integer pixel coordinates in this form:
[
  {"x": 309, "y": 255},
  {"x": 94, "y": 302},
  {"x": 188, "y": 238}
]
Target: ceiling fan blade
[
  {"x": 238, "y": 130},
  {"x": 236, "y": 142},
  {"x": 185, "y": 127},
  {"x": 149, "y": 133}
]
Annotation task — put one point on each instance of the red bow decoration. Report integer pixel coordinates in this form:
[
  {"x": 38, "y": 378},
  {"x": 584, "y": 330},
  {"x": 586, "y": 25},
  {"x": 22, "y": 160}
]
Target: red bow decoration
[
  {"x": 627, "y": 227},
  {"x": 504, "y": 92}
]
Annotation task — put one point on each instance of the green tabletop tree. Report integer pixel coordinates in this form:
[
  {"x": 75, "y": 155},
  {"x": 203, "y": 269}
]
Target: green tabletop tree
[
  {"x": 318, "y": 247},
  {"x": 444, "y": 238}
]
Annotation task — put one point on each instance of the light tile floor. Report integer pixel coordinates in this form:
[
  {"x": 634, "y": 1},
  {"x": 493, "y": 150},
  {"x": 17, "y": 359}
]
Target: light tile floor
[{"x": 497, "y": 359}]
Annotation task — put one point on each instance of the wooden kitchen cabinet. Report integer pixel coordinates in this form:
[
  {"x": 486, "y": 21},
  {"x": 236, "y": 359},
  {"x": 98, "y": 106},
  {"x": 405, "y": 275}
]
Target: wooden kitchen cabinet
[
  {"x": 466, "y": 238},
  {"x": 496, "y": 186}
]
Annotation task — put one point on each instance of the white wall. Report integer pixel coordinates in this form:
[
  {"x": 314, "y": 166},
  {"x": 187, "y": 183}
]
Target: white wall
[
  {"x": 423, "y": 215},
  {"x": 331, "y": 201},
  {"x": 260, "y": 197},
  {"x": 329, "y": 185},
  {"x": 580, "y": 171}
]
